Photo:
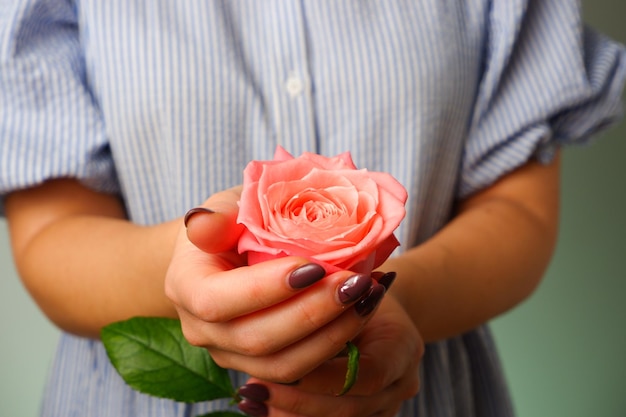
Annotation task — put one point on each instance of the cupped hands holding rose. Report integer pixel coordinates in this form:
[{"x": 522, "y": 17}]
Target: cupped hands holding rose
[{"x": 284, "y": 315}]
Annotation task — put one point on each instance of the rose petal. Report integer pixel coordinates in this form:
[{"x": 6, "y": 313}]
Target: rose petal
[
  {"x": 342, "y": 161},
  {"x": 386, "y": 182},
  {"x": 280, "y": 154},
  {"x": 360, "y": 250},
  {"x": 385, "y": 250},
  {"x": 293, "y": 201},
  {"x": 320, "y": 208}
]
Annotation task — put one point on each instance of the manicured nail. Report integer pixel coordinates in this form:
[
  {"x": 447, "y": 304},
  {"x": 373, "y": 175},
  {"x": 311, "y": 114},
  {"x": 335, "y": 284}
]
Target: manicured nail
[
  {"x": 254, "y": 392},
  {"x": 368, "y": 303},
  {"x": 353, "y": 288},
  {"x": 376, "y": 275},
  {"x": 196, "y": 210},
  {"x": 306, "y": 275},
  {"x": 387, "y": 279},
  {"x": 253, "y": 408}
]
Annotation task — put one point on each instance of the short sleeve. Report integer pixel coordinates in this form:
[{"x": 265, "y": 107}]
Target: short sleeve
[
  {"x": 548, "y": 81},
  {"x": 50, "y": 124}
]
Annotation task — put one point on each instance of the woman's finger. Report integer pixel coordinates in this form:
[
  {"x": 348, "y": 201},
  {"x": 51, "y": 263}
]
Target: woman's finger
[
  {"x": 295, "y": 335},
  {"x": 297, "y": 358},
  {"x": 280, "y": 400},
  {"x": 390, "y": 349},
  {"x": 213, "y": 226},
  {"x": 388, "y": 375},
  {"x": 208, "y": 288},
  {"x": 300, "y": 315}
]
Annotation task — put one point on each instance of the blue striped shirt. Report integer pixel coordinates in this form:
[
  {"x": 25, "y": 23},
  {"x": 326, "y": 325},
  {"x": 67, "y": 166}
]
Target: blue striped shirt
[{"x": 164, "y": 102}]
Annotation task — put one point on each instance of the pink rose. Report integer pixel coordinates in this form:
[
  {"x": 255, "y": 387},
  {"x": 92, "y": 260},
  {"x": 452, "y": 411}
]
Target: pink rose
[{"x": 324, "y": 209}]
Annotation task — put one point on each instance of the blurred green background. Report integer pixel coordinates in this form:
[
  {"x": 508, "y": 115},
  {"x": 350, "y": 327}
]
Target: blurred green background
[{"x": 563, "y": 350}]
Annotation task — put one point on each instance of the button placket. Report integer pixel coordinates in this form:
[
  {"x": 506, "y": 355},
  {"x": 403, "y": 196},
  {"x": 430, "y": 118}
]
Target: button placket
[{"x": 293, "y": 105}]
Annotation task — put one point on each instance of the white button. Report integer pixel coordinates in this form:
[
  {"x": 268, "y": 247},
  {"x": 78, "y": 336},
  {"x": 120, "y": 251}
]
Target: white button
[{"x": 294, "y": 85}]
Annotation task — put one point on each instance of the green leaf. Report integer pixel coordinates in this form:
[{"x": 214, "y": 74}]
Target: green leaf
[
  {"x": 223, "y": 414},
  {"x": 353, "y": 368},
  {"x": 153, "y": 357}
]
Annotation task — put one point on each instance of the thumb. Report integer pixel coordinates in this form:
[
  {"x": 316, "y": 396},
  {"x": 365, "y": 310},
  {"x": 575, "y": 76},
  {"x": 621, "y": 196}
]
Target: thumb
[{"x": 213, "y": 226}]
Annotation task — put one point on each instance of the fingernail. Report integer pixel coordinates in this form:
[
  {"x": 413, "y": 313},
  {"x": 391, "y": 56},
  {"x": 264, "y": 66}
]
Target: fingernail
[
  {"x": 368, "y": 303},
  {"x": 254, "y": 392},
  {"x": 196, "y": 210},
  {"x": 376, "y": 275},
  {"x": 306, "y": 275},
  {"x": 353, "y": 288},
  {"x": 253, "y": 408},
  {"x": 387, "y": 279}
]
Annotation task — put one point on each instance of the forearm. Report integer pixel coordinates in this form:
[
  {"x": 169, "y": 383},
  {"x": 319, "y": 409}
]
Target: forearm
[
  {"x": 85, "y": 265},
  {"x": 489, "y": 258}
]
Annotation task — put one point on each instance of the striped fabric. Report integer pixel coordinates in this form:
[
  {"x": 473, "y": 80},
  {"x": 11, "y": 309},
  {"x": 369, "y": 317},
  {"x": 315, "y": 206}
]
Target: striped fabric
[{"x": 166, "y": 101}]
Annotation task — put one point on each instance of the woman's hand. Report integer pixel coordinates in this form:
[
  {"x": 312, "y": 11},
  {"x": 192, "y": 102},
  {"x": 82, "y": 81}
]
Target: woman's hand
[
  {"x": 276, "y": 320},
  {"x": 391, "y": 349}
]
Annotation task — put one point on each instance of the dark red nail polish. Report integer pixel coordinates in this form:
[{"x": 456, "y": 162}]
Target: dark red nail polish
[
  {"x": 387, "y": 279},
  {"x": 254, "y": 392},
  {"x": 306, "y": 275},
  {"x": 353, "y": 288},
  {"x": 376, "y": 275},
  {"x": 253, "y": 408},
  {"x": 368, "y": 303},
  {"x": 196, "y": 210}
]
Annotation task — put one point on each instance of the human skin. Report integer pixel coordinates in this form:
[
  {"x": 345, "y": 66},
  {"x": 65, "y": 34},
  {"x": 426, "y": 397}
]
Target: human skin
[{"x": 490, "y": 257}]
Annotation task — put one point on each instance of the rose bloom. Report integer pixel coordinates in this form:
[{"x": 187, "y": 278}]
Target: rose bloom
[{"x": 324, "y": 209}]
